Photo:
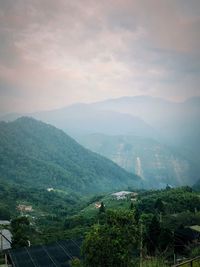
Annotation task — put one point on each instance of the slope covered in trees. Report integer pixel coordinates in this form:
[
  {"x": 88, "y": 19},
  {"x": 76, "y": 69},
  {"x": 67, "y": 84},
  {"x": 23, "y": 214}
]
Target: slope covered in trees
[
  {"x": 154, "y": 230},
  {"x": 40, "y": 155}
]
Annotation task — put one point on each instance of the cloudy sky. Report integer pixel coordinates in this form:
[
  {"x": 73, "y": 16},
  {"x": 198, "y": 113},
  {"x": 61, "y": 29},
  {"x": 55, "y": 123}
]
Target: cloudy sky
[{"x": 57, "y": 52}]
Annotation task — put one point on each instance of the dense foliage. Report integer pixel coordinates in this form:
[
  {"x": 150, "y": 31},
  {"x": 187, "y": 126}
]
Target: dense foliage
[
  {"x": 158, "y": 229},
  {"x": 112, "y": 243},
  {"x": 39, "y": 155},
  {"x": 21, "y": 229},
  {"x": 119, "y": 233},
  {"x": 41, "y": 167},
  {"x": 174, "y": 200}
]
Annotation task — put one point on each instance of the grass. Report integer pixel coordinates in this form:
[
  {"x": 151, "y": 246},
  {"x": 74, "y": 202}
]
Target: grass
[
  {"x": 195, "y": 227},
  {"x": 154, "y": 263},
  {"x": 110, "y": 203},
  {"x": 195, "y": 264}
]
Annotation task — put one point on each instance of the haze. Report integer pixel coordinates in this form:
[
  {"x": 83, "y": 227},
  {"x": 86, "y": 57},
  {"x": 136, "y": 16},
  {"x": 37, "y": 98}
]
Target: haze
[{"x": 55, "y": 53}]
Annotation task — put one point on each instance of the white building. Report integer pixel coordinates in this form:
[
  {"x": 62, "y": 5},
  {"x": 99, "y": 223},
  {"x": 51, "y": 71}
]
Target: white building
[
  {"x": 121, "y": 195},
  {"x": 5, "y": 239}
]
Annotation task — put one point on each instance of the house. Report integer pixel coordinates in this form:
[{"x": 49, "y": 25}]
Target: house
[
  {"x": 50, "y": 189},
  {"x": 185, "y": 236},
  {"x": 121, "y": 195},
  {"x": 5, "y": 239},
  {"x": 22, "y": 207},
  {"x": 134, "y": 196},
  {"x": 56, "y": 254},
  {"x": 97, "y": 205}
]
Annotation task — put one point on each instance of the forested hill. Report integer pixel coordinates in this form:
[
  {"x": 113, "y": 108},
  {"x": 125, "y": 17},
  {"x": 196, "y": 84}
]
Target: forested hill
[{"x": 40, "y": 155}]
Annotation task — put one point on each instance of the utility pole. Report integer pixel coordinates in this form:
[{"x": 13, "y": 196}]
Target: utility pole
[
  {"x": 174, "y": 248},
  {"x": 1, "y": 240},
  {"x": 160, "y": 217},
  {"x": 141, "y": 244}
]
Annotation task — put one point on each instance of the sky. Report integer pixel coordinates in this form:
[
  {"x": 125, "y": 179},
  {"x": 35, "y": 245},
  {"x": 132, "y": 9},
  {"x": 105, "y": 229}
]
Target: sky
[{"x": 57, "y": 52}]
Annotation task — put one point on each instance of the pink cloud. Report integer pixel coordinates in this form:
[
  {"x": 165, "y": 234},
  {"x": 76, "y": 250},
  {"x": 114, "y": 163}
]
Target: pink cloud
[{"x": 60, "y": 52}]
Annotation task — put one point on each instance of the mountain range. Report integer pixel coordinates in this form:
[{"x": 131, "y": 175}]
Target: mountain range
[
  {"x": 172, "y": 122},
  {"x": 157, "y": 164},
  {"x": 82, "y": 119},
  {"x": 172, "y": 128}
]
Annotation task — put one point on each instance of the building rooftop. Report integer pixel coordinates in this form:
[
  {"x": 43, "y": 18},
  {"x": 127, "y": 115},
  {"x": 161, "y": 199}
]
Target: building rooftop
[
  {"x": 57, "y": 254},
  {"x": 121, "y": 193}
]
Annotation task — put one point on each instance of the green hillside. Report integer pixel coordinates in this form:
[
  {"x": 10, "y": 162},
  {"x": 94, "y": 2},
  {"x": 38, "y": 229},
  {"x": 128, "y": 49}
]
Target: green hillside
[
  {"x": 39, "y": 155},
  {"x": 166, "y": 224}
]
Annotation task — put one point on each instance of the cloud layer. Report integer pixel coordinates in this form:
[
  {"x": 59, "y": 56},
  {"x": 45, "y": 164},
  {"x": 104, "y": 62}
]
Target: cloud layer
[{"x": 54, "y": 53}]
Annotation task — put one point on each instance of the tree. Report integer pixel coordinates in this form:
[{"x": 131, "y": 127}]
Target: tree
[
  {"x": 20, "y": 228},
  {"x": 4, "y": 213},
  {"x": 166, "y": 239},
  {"x": 152, "y": 235},
  {"x": 76, "y": 263},
  {"x": 159, "y": 206},
  {"x": 102, "y": 208},
  {"x": 113, "y": 243},
  {"x": 168, "y": 187},
  {"x": 131, "y": 206},
  {"x": 137, "y": 215},
  {"x": 20, "y": 222},
  {"x": 19, "y": 239}
]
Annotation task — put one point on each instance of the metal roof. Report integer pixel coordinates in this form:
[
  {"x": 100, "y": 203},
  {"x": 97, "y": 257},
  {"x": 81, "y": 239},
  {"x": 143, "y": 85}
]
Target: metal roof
[{"x": 58, "y": 254}]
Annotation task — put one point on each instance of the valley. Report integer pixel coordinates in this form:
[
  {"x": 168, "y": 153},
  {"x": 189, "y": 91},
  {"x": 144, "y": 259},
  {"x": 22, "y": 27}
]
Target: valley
[
  {"x": 156, "y": 163},
  {"x": 118, "y": 176},
  {"x": 99, "y": 133},
  {"x": 52, "y": 189}
]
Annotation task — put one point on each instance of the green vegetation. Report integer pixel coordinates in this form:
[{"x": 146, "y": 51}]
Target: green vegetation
[
  {"x": 47, "y": 189},
  {"x": 174, "y": 200},
  {"x": 154, "y": 262},
  {"x": 159, "y": 229},
  {"x": 21, "y": 229},
  {"x": 118, "y": 231},
  {"x": 40, "y": 156},
  {"x": 113, "y": 242}
]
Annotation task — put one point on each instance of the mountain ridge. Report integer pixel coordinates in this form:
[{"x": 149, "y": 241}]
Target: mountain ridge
[{"x": 41, "y": 155}]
